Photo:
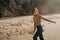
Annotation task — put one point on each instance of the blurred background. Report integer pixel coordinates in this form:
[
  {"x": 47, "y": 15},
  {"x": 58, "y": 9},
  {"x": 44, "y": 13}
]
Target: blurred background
[
  {"x": 12, "y": 8},
  {"x": 16, "y": 21}
]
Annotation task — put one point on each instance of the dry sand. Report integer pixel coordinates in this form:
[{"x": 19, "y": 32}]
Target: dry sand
[{"x": 20, "y": 28}]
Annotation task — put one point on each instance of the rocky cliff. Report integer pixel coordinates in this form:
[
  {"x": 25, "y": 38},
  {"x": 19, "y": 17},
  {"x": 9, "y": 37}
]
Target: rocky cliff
[
  {"x": 24, "y": 7},
  {"x": 19, "y": 7}
]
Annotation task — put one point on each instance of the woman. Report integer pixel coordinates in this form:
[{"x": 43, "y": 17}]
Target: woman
[{"x": 37, "y": 24}]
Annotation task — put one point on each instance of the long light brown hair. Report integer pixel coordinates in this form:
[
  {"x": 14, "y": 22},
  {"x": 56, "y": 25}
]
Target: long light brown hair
[{"x": 35, "y": 10}]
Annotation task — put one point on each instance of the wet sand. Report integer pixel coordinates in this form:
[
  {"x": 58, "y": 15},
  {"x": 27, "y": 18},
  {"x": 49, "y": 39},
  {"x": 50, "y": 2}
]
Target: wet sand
[{"x": 21, "y": 28}]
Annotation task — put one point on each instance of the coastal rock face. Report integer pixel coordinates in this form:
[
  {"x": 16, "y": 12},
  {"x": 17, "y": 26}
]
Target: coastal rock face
[
  {"x": 10, "y": 8},
  {"x": 19, "y": 7}
]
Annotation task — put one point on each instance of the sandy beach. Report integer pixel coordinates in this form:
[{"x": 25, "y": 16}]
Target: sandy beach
[{"x": 20, "y": 28}]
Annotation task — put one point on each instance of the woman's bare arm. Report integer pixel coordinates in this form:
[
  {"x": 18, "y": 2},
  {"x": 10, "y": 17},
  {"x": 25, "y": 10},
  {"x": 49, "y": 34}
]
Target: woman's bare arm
[
  {"x": 34, "y": 28},
  {"x": 47, "y": 19},
  {"x": 34, "y": 25}
]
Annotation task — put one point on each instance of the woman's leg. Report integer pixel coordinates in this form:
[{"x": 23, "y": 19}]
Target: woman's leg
[
  {"x": 36, "y": 35},
  {"x": 41, "y": 36}
]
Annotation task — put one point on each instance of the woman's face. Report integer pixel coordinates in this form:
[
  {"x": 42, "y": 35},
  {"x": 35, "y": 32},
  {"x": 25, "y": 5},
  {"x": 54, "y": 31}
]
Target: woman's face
[{"x": 36, "y": 11}]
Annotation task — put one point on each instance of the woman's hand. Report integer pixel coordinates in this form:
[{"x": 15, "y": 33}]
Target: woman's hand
[
  {"x": 33, "y": 31},
  {"x": 54, "y": 22}
]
